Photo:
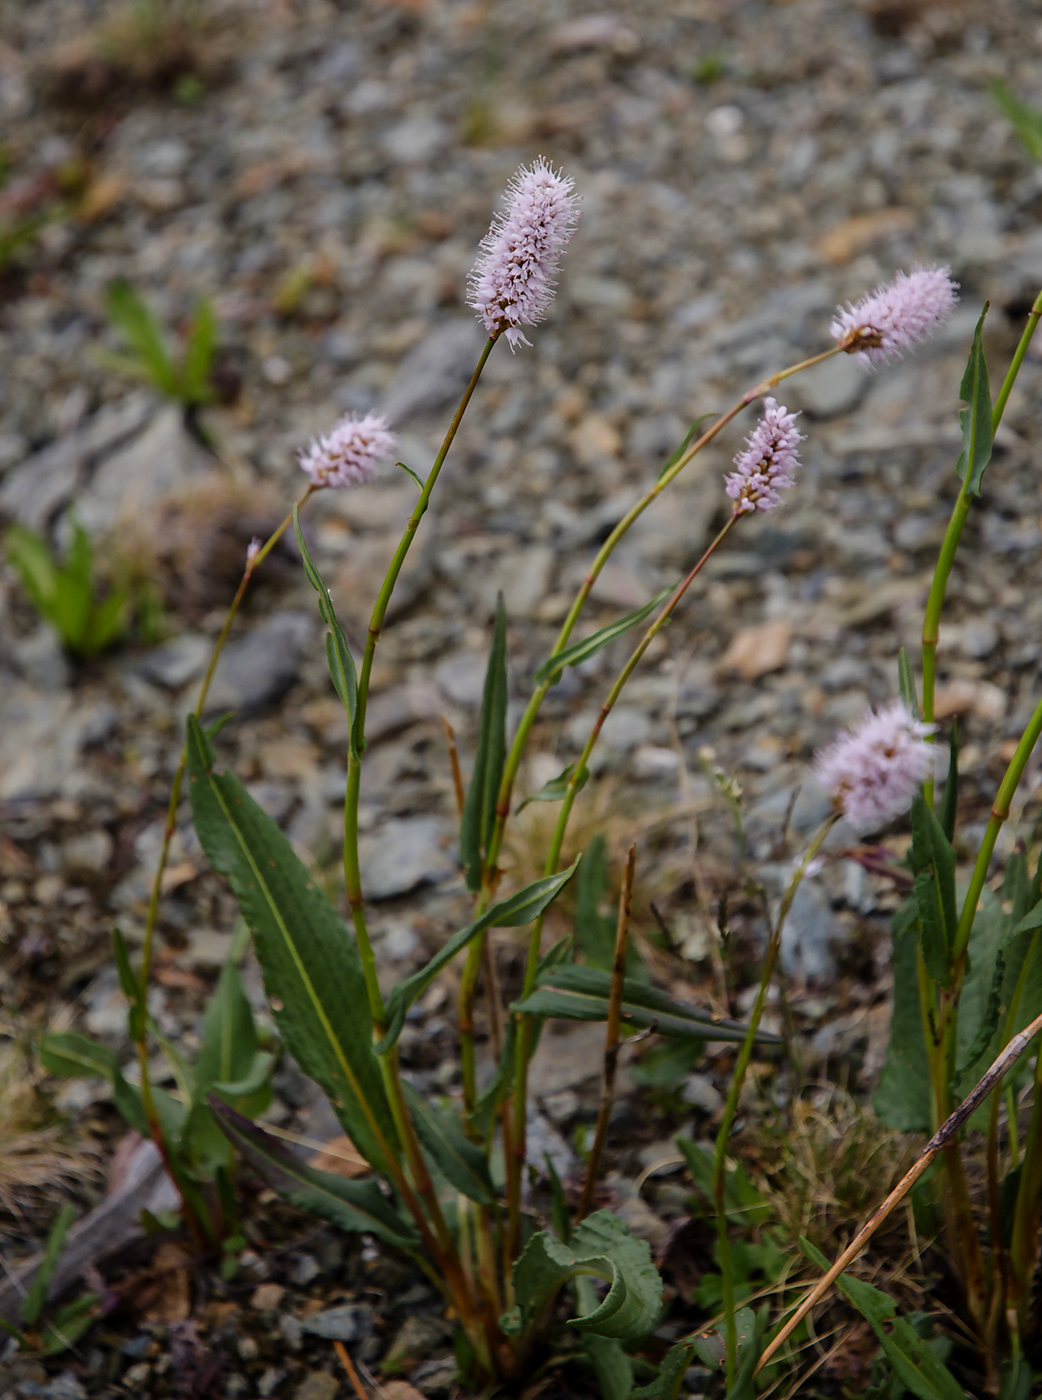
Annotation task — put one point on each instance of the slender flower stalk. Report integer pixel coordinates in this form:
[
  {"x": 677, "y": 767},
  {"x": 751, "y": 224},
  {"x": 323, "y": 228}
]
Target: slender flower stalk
[
  {"x": 515, "y": 1163},
  {"x": 512, "y": 282},
  {"x": 256, "y": 553},
  {"x": 953, "y": 534},
  {"x": 666, "y": 477},
  {"x": 734, "y": 1092}
]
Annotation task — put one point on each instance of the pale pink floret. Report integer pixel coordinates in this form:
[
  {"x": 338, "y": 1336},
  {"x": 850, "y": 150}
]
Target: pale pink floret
[
  {"x": 351, "y": 453},
  {"x": 765, "y": 465},
  {"x": 875, "y": 771},
  {"x": 897, "y": 315},
  {"x": 512, "y": 282}
]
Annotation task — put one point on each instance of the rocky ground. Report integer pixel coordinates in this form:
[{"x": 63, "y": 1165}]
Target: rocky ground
[{"x": 323, "y": 173}]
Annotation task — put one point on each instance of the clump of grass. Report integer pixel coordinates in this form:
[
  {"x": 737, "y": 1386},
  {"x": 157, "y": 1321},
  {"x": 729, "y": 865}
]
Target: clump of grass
[{"x": 34, "y": 1159}]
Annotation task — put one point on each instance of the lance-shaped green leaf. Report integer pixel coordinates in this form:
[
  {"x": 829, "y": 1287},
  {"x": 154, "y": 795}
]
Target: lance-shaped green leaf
[
  {"x": 353, "y": 1205},
  {"x": 409, "y": 472},
  {"x": 601, "y": 1247},
  {"x": 581, "y": 993},
  {"x": 312, "y": 969},
  {"x": 916, "y": 1366},
  {"x": 520, "y": 909},
  {"x": 1026, "y": 119},
  {"x": 689, "y": 438},
  {"x": 555, "y": 789},
  {"x": 975, "y": 418},
  {"x": 31, "y": 1305},
  {"x": 230, "y": 1060},
  {"x": 906, "y": 684},
  {"x": 479, "y": 807},
  {"x": 130, "y": 987},
  {"x": 460, "y": 1161},
  {"x": 933, "y": 861},
  {"x": 902, "y": 1100},
  {"x": 950, "y": 800},
  {"x": 551, "y": 669},
  {"x": 338, "y": 653},
  {"x": 73, "y": 1056},
  {"x": 196, "y": 386}
]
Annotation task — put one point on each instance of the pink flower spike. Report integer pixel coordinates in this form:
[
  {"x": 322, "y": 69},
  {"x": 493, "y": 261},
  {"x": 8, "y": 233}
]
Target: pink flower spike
[
  {"x": 765, "y": 465},
  {"x": 897, "y": 316},
  {"x": 875, "y": 771},
  {"x": 351, "y": 453},
  {"x": 512, "y": 281}
]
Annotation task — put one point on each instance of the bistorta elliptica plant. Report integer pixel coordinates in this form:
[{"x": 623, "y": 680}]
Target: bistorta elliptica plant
[{"x": 440, "y": 1200}]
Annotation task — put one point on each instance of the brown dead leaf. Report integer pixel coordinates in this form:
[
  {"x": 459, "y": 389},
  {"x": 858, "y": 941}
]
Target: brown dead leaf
[
  {"x": 845, "y": 240},
  {"x": 101, "y": 195},
  {"x": 174, "y": 876},
  {"x": 165, "y": 1296},
  {"x": 341, "y": 1157},
  {"x": 399, "y": 1390},
  {"x": 754, "y": 651}
]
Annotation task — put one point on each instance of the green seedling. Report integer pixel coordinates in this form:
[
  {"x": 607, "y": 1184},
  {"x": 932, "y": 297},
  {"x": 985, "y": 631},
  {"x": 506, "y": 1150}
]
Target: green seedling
[
  {"x": 66, "y": 594},
  {"x": 48, "y": 1335},
  {"x": 187, "y": 379}
]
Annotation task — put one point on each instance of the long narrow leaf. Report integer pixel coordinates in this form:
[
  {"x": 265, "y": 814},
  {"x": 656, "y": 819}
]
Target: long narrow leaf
[
  {"x": 353, "y": 1205},
  {"x": 312, "y": 969},
  {"x": 520, "y": 909},
  {"x": 975, "y": 418},
  {"x": 479, "y": 807},
  {"x": 580, "y": 651},
  {"x": 581, "y": 993},
  {"x": 461, "y": 1162},
  {"x": 338, "y": 653}
]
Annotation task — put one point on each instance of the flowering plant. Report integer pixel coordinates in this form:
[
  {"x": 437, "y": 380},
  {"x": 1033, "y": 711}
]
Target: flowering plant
[{"x": 437, "y": 1190}]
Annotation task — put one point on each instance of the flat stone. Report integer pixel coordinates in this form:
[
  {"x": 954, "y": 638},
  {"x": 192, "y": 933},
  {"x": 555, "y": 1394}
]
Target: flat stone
[
  {"x": 404, "y": 853},
  {"x": 317, "y": 1385},
  {"x": 160, "y": 462},
  {"x": 756, "y": 651},
  {"x": 348, "y": 1323},
  {"x": 41, "y": 736},
  {"x": 806, "y": 935},
  {"x": 177, "y": 661},
  {"x": 258, "y": 669}
]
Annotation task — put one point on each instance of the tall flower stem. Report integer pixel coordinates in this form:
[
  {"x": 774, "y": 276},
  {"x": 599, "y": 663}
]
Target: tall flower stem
[
  {"x": 948, "y": 1009},
  {"x": 953, "y": 534},
  {"x": 253, "y": 562},
  {"x": 671, "y": 472},
  {"x": 734, "y": 1093},
  {"x": 352, "y": 869},
  {"x": 515, "y": 1162}
]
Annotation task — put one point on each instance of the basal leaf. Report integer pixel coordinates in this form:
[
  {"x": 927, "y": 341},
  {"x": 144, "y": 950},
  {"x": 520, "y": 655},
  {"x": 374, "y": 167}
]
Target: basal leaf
[
  {"x": 576, "y": 992},
  {"x": 933, "y": 861},
  {"x": 338, "y": 653},
  {"x": 581, "y": 651},
  {"x": 32, "y": 1304},
  {"x": 975, "y": 419},
  {"x": 479, "y": 807},
  {"x": 312, "y": 969},
  {"x": 902, "y": 1100},
  {"x": 603, "y": 1248},
  {"x": 140, "y": 329},
  {"x": 74, "y": 1056},
  {"x": 353, "y": 1205},
  {"x": 516, "y": 911},
  {"x": 199, "y": 355}
]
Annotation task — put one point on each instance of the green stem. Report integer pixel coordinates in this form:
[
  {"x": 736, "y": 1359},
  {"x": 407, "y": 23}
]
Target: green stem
[
  {"x": 352, "y": 869},
  {"x": 953, "y": 534},
  {"x": 155, "y": 1128},
  {"x": 515, "y": 1163},
  {"x": 734, "y": 1092},
  {"x": 672, "y": 471},
  {"x": 1024, "y": 1238}
]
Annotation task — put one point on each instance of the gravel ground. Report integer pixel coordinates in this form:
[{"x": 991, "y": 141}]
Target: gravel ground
[{"x": 323, "y": 173}]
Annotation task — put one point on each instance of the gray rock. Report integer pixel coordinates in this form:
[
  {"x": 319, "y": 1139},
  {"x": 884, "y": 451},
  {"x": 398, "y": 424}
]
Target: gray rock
[
  {"x": 66, "y": 1386},
  {"x": 806, "y": 934},
  {"x": 402, "y": 854},
  {"x": 317, "y": 1385},
  {"x": 414, "y": 141},
  {"x": 177, "y": 661},
  {"x": 90, "y": 851},
  {"x": 161, "y": 461},
  {"x": 462, "y": 678},
  {"x": 701, "y": 1093},
  {"x": 348, "y": 1323},
  {"x": 33, "y": 491},
  {"x": 543, "y": 1140},
  {"x": 258, "y": 669},
  {"x": 41, "y": 736},
  {"x": 304, "y": 1269},
  {"x": 41, "y": 660},
  {"x": 435, "y": 372},
  {"x": 829, "y": 389}
]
